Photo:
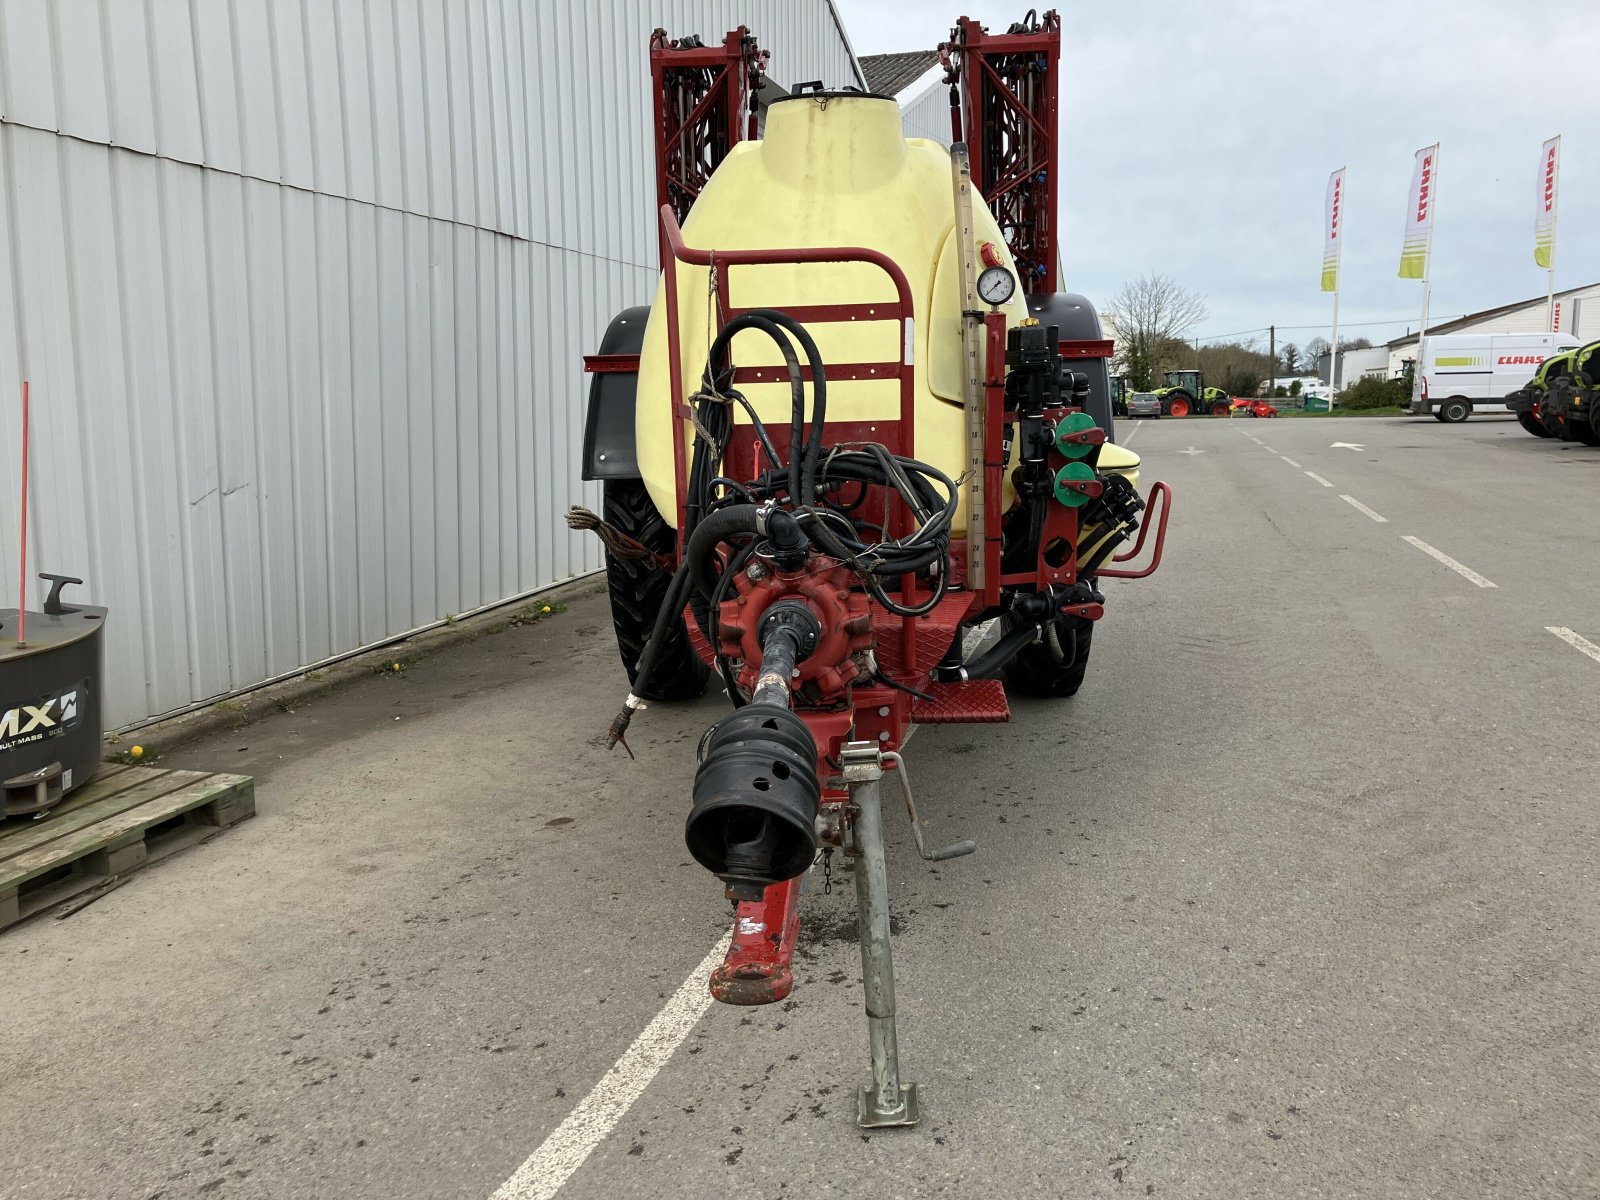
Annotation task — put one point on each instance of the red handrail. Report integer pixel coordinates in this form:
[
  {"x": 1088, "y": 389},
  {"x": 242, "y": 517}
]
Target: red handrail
[
  {"x": 1162, "y": 492},
  {"x": 787, "y": 254},
  {"x": 675, "y": 251}
]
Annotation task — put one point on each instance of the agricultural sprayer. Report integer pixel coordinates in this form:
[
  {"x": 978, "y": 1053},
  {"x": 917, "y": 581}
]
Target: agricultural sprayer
[{"x": 857, "y": 463}]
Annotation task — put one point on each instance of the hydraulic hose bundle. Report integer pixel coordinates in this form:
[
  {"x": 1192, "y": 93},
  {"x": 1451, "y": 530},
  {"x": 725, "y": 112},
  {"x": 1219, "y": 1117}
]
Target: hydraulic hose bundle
[{"x": 720, "y": 510}]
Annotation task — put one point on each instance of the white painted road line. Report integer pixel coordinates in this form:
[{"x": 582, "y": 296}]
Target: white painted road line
[
  {"x": 1266, "y": 447},
  {"x": 1132, "y": 429},
  {"x": 1464, "y": 571},
  {"x": 1319, "y": 479},
  {"x": 1288, "y": 460},
  {"x": 1579, "y": 643},
  {"x": 585, "y": 1127},
  {"x": 1360, "y": 507}
]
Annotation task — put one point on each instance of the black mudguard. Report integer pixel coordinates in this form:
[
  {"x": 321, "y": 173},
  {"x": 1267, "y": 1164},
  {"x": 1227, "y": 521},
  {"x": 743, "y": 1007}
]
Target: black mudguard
[
  {"x": 1077, "y": 320},
  {"x": 608, "y": 430}
]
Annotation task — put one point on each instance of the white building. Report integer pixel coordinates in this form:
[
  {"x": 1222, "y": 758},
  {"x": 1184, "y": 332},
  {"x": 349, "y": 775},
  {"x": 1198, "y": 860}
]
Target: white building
[
  {"x": 1356, "y": 365},
  {"x": 302, "y": 291},
  {"x": 1577, "y": 311}
]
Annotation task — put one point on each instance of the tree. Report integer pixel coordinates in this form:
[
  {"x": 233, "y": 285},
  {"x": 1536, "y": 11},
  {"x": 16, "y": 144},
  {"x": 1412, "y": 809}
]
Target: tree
[
  {"x": 1359, "y": 343},
  {"x": 1238, "y": 368},
  {"x": 1291, "y": 358},
  {"x": 1169, "y": 354},
  {"x": 1312, "y": 354},
  {"x": 1376, "y": 393},
  {"x": 1148, "y": 315}
]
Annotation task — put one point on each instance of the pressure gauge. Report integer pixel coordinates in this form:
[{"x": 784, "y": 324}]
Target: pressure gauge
[{"x": 996, "y": 285}]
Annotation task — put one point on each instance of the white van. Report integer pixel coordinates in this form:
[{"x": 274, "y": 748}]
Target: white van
[{"x": 1456, "y": 373}]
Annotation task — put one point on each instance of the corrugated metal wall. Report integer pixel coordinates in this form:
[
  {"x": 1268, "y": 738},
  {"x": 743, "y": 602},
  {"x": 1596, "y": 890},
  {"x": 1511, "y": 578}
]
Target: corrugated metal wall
[
  {"x": 302, "y": 288},
  {"x": 927, "y": 114}
]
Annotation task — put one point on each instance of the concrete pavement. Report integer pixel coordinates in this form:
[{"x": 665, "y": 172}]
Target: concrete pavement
[{"x": 1297, "y": 898}]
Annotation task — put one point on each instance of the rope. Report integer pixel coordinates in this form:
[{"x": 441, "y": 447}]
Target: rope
[{"x": 617, "y": 543}]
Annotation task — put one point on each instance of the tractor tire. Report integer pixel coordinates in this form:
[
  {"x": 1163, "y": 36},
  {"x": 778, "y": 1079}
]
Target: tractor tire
[
  {"x": 1583, "y": 431},
  {"x": 1178, "y": 404},
  {"x": 1455, "y": 410},
  {"x": 638, "y": 587},
  {"x": 1532, "y": 424},
  {"x": 1219, "y": 409},
  {"x": 1035, "y": 672}
]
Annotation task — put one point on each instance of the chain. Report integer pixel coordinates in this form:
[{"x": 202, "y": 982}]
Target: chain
[{"x": 827, "y": 871}]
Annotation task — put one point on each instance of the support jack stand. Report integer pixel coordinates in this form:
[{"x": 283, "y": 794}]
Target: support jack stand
[{"x": 886, "y": 1101}]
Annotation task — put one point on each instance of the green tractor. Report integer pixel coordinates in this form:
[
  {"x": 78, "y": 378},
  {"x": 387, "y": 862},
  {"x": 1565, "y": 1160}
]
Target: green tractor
[
  {"x": 1121, "y": 389},
  {"x": 1532, "y": 402},
  {"x": 1567, "y": 407},
  {"x": 1186, "y": 393}
]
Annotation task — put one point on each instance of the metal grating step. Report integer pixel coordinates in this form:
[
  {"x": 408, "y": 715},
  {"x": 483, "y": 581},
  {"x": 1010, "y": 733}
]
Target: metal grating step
[{"x": 977, "y": 702}]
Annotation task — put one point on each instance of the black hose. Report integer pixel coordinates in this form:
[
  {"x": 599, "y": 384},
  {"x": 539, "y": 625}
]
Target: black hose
[
  {"x": 735, "y": 565},
  {"x": 819, "y": 399},
  {"x": 891, "y": 681},
  {"x": 1106, "y": 547},
  {"x": 716, "y": 527},
  {"x": 734, "y": 485},
  {"x": 671, "y": 607},
  {"x": 718, "y": 375},
  {"x": 758, "y": 425},
  {"x": 995, "y": 657},
  {"x": 695, "y": 570}
]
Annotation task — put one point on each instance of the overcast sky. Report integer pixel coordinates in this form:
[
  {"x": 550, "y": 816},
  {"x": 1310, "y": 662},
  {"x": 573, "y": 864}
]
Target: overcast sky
[{"x": 1198, "y": 139}]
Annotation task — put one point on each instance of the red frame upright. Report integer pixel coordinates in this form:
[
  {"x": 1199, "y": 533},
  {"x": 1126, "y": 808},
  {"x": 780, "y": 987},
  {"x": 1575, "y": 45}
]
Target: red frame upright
[
  {"x": 1009, "y": 90},
  {"x": 703, "y": 108}
]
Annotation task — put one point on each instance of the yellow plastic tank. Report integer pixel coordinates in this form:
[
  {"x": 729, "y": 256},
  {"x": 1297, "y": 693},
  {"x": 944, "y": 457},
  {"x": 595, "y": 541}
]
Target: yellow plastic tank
[{"x": 831, "y": 170}]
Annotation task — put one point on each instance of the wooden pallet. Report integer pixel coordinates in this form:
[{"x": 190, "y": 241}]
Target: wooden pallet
[{"x": 122, "y": 819}]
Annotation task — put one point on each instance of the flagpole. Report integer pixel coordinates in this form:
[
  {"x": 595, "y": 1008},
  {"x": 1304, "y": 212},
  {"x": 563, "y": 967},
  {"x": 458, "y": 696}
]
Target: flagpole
[
  {"x": 1555, "y": 216},
  {"x": 1427, "y": 254},
  {"x": 1333, "y": 252},
  {"x": 1333, "y": 341},
  {"x": 1333, "y": 355}
]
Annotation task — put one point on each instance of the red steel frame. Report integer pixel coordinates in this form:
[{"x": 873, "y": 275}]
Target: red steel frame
[
  {"x": 1009, "y": 87},
  {"x": 702, "y": 109}
]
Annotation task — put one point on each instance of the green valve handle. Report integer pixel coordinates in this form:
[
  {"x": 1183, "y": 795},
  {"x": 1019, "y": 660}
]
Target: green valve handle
[
  {"x": 1073, "y": 472},
  {"x": 1073, "y": 423}
]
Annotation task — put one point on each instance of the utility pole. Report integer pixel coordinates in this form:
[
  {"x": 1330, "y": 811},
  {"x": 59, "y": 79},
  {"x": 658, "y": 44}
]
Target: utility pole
[{"x": 1272, "y": 353}]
